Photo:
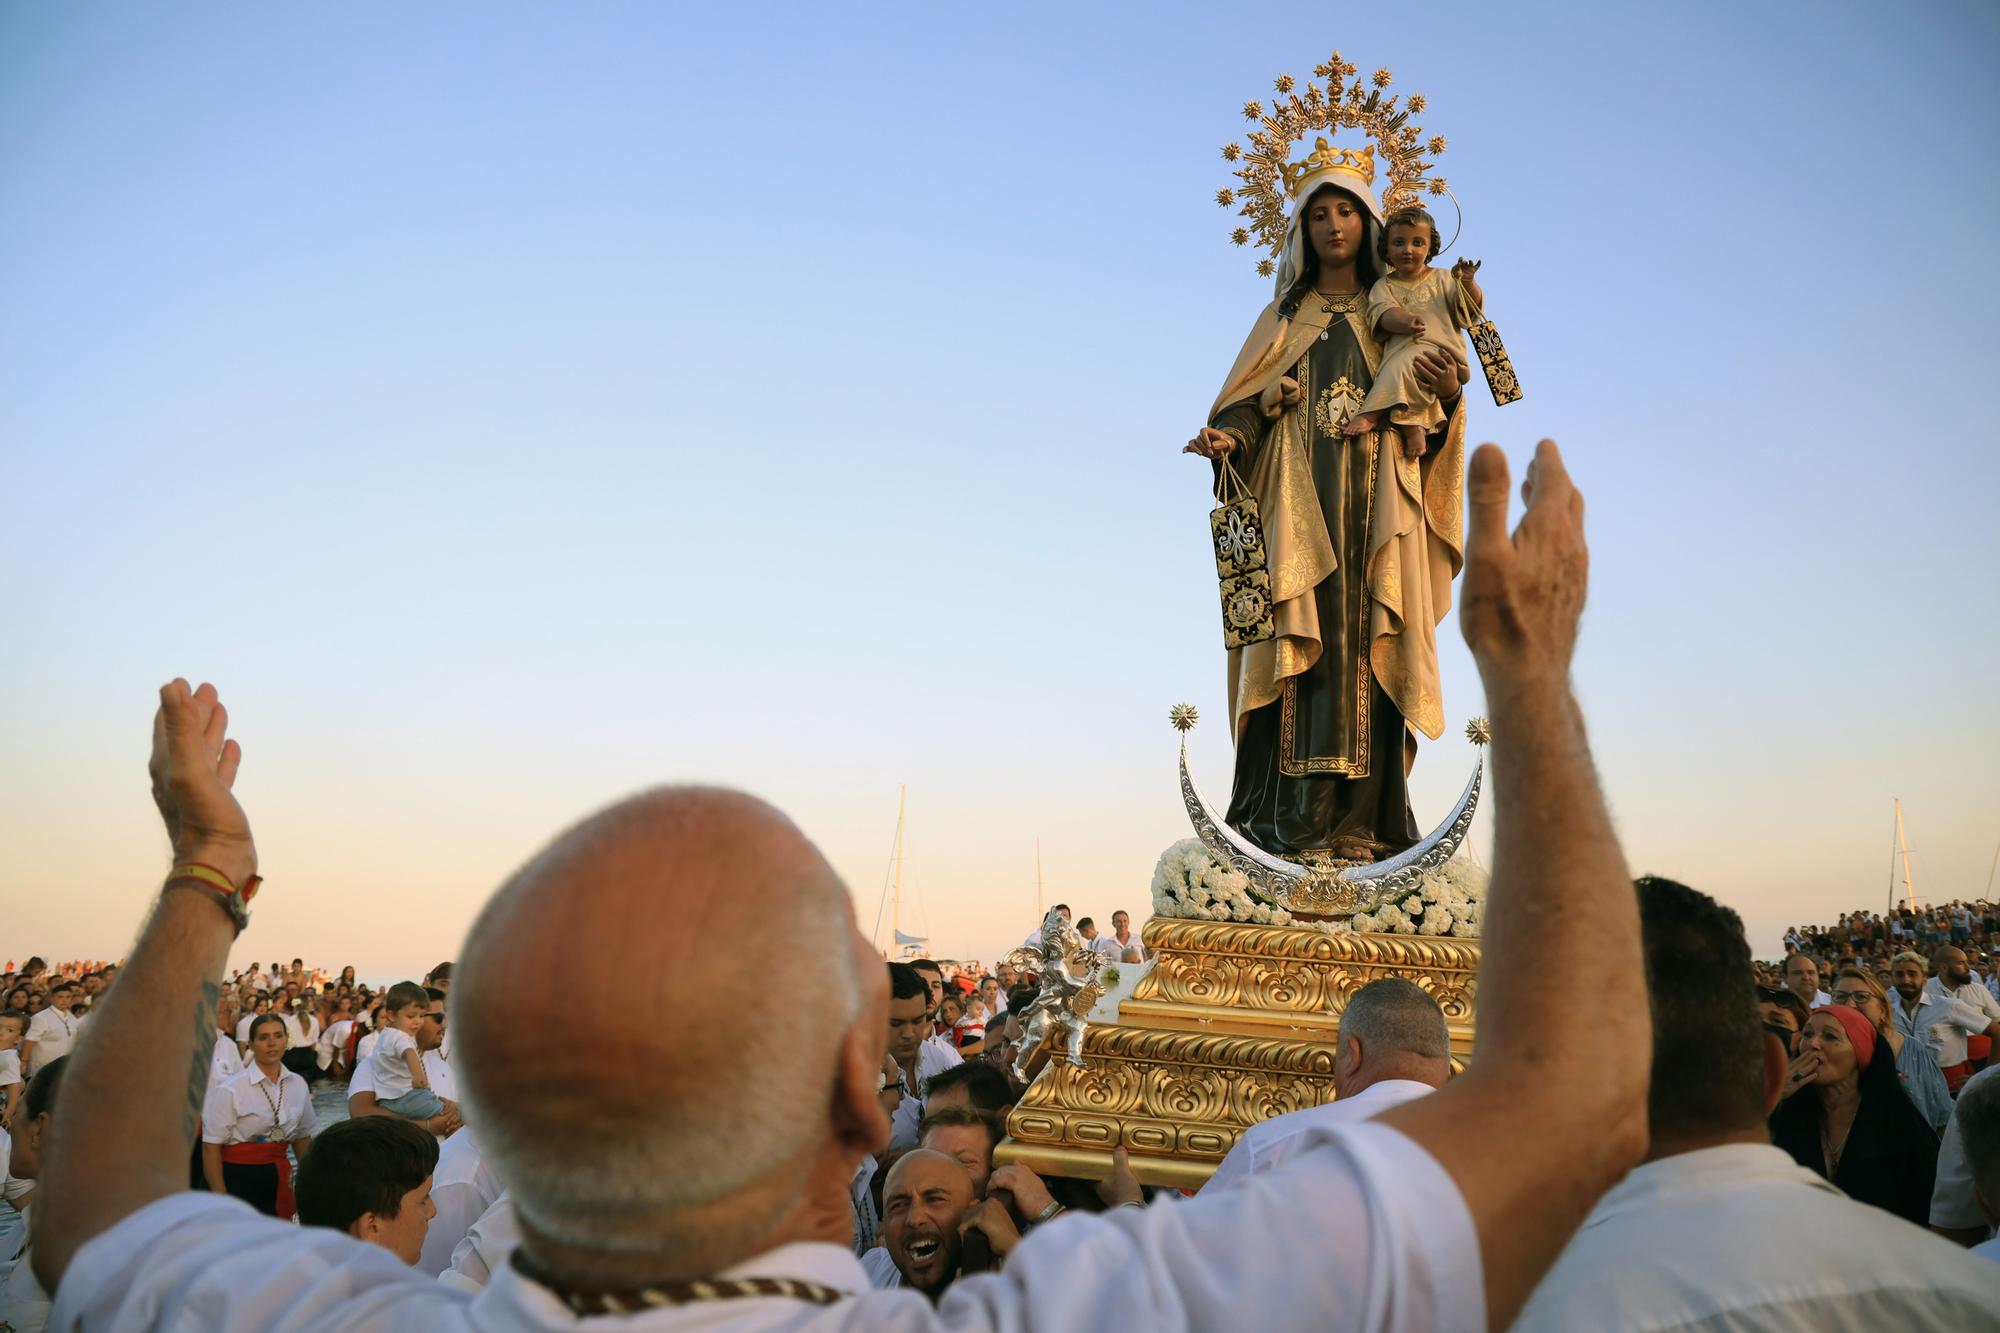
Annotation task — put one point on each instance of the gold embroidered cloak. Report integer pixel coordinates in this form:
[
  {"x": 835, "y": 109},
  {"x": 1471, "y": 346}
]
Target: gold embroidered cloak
[{"x": 1415, "y": 540}]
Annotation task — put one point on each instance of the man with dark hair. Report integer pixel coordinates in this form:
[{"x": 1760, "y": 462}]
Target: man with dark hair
[
  {"x": 372, "y": 1179},
  {"x": 975, "y": 1084},
  {"x": 1707, "y": 1231},
  {"x": 434, "y": 1044},
  {"x": 52, "y": 1031},
  {"x": 24, "y": 1305},
  {"x": 439, "y": 977},
  {"x": 916, "y": 1056},
  {"x": 1392, "y": 1047},
  {"x": 933, "y": 978},
  {"x": 1096, "y": 941}
]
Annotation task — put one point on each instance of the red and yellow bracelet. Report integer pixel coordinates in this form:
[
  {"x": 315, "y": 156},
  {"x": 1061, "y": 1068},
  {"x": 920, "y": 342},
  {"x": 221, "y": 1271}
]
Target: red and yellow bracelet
[{"x": 233, "y": 900}]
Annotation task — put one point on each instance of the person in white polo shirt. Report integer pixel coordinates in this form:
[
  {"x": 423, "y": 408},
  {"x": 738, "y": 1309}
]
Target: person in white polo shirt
[
  {"x": 1392, "y": 1046},
  {"x": 917, "y": 1057},
  {"x": 52, "y": 1032},
  {"x": 1718, "y": 1229},
  {"x": 1413, "y": 1220}
]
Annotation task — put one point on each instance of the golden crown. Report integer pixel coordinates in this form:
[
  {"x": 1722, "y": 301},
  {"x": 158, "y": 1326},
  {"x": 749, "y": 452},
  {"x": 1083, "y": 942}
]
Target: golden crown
[
  {"x": 1325, "y": 159},
  {"x": 1348, "y": 101}
]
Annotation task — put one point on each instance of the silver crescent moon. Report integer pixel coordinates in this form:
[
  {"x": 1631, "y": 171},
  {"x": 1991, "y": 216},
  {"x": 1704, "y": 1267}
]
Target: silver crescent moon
[{"x": 1276, "y": 880}]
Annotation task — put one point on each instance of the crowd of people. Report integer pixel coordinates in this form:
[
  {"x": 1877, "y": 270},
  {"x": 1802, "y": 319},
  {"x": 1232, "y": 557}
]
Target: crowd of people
[{"x": 684, "y": 1152}]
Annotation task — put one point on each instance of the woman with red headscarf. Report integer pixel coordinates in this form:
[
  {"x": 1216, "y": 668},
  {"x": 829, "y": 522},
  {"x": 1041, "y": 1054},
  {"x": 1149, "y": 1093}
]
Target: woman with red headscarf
[{"x": 1845, "y": 1115}]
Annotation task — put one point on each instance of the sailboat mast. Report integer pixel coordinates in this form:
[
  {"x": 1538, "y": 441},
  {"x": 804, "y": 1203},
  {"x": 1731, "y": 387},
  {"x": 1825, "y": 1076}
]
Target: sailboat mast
[
  {"x": 1040, "y": 911},
  {"x": 896, "y": 911},
  {"x": 1903, "y": 848}
]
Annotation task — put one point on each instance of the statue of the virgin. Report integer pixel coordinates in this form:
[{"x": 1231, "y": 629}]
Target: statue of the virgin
[{"x": 1363, "y": 542}]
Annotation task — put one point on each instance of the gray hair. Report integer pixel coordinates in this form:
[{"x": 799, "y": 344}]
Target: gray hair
[
  {"x": 1395, "y": 1014},
  {"x": 734, "y": 1117}
]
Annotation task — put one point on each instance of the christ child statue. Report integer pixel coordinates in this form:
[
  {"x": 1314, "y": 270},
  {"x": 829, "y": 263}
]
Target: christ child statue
[{"x": 1413, "y": 305}]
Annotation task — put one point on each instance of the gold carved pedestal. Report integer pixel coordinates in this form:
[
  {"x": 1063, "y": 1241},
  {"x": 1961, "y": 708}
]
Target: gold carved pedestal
[{"x": 1235, "y": 1023}]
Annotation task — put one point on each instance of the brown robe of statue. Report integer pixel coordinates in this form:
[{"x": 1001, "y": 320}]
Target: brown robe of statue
[{"x": 1363, "y": 545}]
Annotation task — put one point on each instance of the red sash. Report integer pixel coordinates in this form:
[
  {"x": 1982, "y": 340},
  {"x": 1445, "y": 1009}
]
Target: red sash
[{"x": 273, "y": 1154}]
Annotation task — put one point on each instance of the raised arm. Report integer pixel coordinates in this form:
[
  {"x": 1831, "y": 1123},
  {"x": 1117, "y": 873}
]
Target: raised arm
[
  {"x": 1557, "y": 1085},
  {"x": 132, "y": 1097}
]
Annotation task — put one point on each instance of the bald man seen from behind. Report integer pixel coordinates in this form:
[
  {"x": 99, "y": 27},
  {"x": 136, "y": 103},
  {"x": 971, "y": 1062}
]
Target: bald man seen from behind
[{"x": 679, "y": 1159}]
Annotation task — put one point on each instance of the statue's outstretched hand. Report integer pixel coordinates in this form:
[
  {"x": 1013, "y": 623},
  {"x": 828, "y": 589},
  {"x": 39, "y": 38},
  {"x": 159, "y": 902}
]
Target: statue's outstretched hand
[
  {"x": 1211, "y": 443},
  {"x": 1465, "y": 268},
  {"x": 193, "y": 767},
  {"x": 1524, "y": 593}
]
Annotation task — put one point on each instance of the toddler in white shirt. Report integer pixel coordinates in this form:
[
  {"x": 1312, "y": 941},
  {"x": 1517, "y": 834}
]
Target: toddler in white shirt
[
  {"x": 401, "y": 1085},
  {"x": 13, "y": 1026}
]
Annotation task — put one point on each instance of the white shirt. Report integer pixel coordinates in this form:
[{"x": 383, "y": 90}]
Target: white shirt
[
  {"x": 485, "y": 1248},
  {"x": 243, "y": 1028},
  {"x": 53, "y": 1034},
  {"x": 462, "y": 1187},
  {"x": 1971, "y": 993},
  {"x": 1743, "y": 1238},
  {"x": 438, "y": 1070},
  {"x": 10, "y": 1067},
  {"x": 12, "y": 1188},
  {"x": 386, "y": 1068},
  {"x": 1988, "y": 1249},
  {"x": 435, "y": 1067},
  {"x": 1271, "y": 1143},
  {"x": 933, "y": 1056},
  {"x": 1133, "y": 943},
  {"x": 24, "y": 1306},
  {"x": 1952, "y": 1204},
  {"x": 226, "y": 1062},
  {"x": 240, "y": 1110},
  {"x": 333, "y": 1041},
  {"x": 1368, "y": 1232},
  {"x": 883, "y": 1275},
  {"x": 1107, "y": 946},
  {"x": 867, "y": 1222},
  {"x": 301, "y": 1033},
  {"x": 1941, "y": 1022},
  {"x": 365, "y": 1048}
]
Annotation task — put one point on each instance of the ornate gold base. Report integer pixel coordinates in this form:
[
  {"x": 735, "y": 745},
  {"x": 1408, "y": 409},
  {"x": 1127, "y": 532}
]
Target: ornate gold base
[{"x": 1234, "y": 1024}]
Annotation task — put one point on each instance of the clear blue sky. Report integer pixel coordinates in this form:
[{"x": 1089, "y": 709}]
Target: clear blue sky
[{"x": 511, "y": 405}]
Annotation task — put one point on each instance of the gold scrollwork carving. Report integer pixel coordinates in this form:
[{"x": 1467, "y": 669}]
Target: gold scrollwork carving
[
  {"x": 1285, "y": 969},
  {"x": 1177, "y": 1086}
]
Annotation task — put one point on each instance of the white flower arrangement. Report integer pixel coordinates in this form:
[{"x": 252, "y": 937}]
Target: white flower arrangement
[
  {"x": 1452, "y": 901},
  {"x": 1193, "y": 883}
]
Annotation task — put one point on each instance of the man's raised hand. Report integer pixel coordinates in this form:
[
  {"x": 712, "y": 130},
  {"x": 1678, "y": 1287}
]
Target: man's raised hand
[
  {"x": 193, "y": 768},
  {"x": 1523, "y": 592}
]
